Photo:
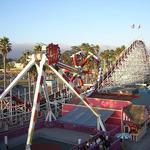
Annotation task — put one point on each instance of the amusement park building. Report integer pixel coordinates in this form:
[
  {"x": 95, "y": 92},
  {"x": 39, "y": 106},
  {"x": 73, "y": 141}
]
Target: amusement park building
[
  {"x": 131, "y": 118},
  {"x": 135, "y": 120}
]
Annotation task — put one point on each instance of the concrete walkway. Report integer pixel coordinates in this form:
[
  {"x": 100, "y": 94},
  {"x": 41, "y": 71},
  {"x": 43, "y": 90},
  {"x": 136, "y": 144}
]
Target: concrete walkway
[
  {"x": 55, "y": 134},
  {"x": 63, "y": 135}
]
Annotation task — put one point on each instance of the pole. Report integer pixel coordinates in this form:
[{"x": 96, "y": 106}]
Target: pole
[
  {"x": 36, "y": 103},
  {"x": 29, "y": 85},
  {"x": 49, "y": 110},
  {"x": 11, "y": 102},
  {"x": 81, "y": 97},
  {"x": 6, "y": 142},
  {"x": 20, "y": 75}
]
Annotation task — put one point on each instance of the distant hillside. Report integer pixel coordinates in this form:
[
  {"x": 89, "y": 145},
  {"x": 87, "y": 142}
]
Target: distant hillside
[{"x": 18, "y": 49}]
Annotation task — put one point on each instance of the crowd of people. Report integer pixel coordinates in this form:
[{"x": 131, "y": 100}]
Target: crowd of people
[{"x": 96, "y": 143}]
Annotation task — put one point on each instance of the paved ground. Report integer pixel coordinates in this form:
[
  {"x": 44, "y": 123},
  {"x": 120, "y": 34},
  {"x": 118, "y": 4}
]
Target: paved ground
[
  {"x": 63, "y": 135},
  {"x": 45, "y": 144},
  {"x": 52, "y": 136},
  {"x": 143, "y": 144}
]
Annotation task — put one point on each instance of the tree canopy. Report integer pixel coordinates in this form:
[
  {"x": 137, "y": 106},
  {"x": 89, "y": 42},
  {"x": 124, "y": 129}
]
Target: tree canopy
[
  {"x": 5, "y": 45},
  {"x": 37, "y": 48}
]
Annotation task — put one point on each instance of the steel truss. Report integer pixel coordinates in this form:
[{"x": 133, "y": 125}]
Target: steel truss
[
  {"x": 131, "y": 67},
  {"x": 49, "y": 57}
]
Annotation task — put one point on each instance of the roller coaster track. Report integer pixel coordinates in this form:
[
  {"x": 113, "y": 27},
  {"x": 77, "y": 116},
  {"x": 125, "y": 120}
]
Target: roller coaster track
[
  {"x": 131, "y": 67},
  {"x": 131, "y": 63}
]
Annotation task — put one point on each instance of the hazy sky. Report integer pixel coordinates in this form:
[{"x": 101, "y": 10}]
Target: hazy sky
[{"x": 74, "y": 21}]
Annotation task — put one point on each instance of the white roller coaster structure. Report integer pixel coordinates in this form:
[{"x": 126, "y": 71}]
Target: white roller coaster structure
[{"x": 131, "y": 67}]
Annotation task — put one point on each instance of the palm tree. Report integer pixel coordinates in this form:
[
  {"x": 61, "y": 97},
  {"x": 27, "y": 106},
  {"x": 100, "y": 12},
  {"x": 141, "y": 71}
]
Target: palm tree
[
  {"x": 32, "y": 74},
  {"x": 33, "y": 71},
  {"x": 5, "y": 47},
  {"x": 24, "y": 58},
  {"x": 111, "y": 56},
  {"x": 65, "y": 57},
  {"x": 119, "y": 50},
  {"x": 104, "y": 56},
  {"x": 37, "y": 48}
]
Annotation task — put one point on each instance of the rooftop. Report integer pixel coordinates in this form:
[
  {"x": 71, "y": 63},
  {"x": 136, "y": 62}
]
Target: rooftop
[
  {"x": 136, "y": 113},
  {"x": 83, "y": 116},
  {"x": 115, "y": 96},
  {"x": 144, "y": 99}
]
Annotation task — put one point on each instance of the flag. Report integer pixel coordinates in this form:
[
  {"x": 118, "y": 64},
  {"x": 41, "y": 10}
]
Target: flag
[
  {"x": 133, "y": 26},
  {"x": 139, "y": 26}
]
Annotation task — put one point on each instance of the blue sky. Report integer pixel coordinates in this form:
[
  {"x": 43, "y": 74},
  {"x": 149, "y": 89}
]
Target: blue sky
[{"x": 72, "y": 22}]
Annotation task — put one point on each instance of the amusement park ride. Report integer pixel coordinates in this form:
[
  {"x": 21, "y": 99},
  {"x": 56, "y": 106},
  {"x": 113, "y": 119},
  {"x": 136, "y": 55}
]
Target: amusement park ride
[
  {"x": 131, "y": 67},
  {"x": 124, "y": 71},
  {"x": 50, "y": 56}
]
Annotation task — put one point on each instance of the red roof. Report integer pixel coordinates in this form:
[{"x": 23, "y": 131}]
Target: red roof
[{"x": 115, "y": 96}]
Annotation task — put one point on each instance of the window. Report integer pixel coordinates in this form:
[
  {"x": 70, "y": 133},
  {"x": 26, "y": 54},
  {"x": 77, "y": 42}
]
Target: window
[{"x": 126, "y": 129}]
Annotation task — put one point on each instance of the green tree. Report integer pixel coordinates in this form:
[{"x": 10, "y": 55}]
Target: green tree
[
  {"x": 10, "y": 63},
  {"x": 109, "y": 56},
  {"x": 112, "y": 57},
  {"x": 33, "y": 73},
  {"x": 37, "y": 48},
  {"x": 104, "y": 57},
  {"x": 1, "y": 61},
  {"x": 118, "y": 50},
  {"x": 90, "y": 48},
  {"x": 85, "y": 47},
  {"x": 66, "y": 57},
  {"x": 24, "y": 58},
  {"x": 95, "y": 49},
  {"x": 5, "y": 47},
  {"x": 75, "y": 49}
]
